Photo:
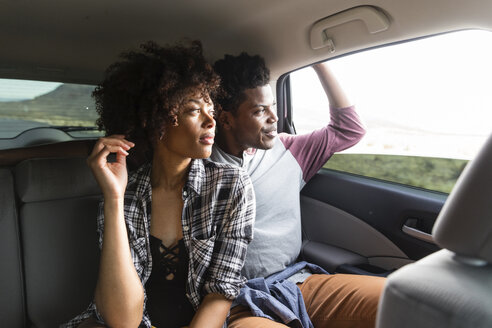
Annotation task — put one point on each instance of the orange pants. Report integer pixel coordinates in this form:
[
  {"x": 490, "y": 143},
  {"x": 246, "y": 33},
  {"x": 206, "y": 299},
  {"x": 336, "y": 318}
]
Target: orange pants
[{"x": 338, "y": 300}]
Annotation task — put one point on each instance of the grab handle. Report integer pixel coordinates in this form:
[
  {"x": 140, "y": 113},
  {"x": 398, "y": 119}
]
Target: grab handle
[{"x": 375, "y": 20}]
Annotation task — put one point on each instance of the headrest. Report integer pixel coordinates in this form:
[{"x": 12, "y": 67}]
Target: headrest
[
  {"x": 464, "y": 225},
  {"x": 44, "y": 179}
]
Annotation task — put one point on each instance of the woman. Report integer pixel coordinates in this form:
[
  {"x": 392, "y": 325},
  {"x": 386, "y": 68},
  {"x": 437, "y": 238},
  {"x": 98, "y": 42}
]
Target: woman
[{"x": 188, "y": 221}]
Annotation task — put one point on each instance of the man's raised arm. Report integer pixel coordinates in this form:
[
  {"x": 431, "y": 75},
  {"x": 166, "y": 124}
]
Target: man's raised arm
[{"x": 334, "y": 92}]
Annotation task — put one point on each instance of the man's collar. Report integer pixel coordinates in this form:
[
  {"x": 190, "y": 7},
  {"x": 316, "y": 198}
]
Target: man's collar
[{"x": 250, "y": 151}]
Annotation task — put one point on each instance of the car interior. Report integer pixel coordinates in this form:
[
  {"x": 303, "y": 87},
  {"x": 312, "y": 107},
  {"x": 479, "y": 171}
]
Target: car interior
[{"x": 435, "y": 247}]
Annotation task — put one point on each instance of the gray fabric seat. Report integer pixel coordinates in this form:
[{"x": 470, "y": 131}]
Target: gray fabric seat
[
  {"x": 452, "y": 287},
  {"x": 11, "y": 286},
  {"x": 59, "y": 200}
]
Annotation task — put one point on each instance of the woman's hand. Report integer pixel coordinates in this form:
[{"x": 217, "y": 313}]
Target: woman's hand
[
  {"x": 212, "y": 312},
  {"x": 111, "y": 177}
]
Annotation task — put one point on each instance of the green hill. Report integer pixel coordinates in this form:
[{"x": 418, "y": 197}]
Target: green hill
[
  {"x": 68, "y": 104},
  {"x": 439, "y": 174}
]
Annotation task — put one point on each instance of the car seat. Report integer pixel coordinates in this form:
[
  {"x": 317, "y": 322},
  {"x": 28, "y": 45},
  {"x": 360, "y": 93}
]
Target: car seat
[{"x": 452, "y": 287}]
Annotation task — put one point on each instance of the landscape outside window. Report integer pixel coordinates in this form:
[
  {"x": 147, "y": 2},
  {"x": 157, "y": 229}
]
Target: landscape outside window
[
  {"x": 30, "y": 104},
  {"x": 426, "y": 105}
]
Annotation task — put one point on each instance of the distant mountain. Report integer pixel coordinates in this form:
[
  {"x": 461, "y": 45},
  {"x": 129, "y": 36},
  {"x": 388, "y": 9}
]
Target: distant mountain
[
  {"x": 66, "y": 103},
  {"x": 11, "y": 99}
]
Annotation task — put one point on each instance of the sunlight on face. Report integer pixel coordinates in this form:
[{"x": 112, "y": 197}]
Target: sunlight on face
[{"x": 193, "y": 136}]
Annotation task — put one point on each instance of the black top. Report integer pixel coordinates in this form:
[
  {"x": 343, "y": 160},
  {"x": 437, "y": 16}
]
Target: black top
[{"x": 167, "y": 304}]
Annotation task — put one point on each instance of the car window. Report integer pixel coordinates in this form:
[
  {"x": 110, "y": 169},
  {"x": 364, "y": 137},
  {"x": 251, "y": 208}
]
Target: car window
[
  {"x": 426, "y": 105},
  {"x": 27, "y": 104}
]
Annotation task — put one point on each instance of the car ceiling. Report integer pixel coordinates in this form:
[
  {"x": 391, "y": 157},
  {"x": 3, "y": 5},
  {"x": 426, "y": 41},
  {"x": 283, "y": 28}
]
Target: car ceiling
[{"x": 74, "y": 41}]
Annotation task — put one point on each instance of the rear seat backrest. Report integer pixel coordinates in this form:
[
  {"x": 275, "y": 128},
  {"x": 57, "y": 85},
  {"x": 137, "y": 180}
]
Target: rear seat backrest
[
  {"x": 59, "y": 200},
  {"x": 12, "y": 312}
]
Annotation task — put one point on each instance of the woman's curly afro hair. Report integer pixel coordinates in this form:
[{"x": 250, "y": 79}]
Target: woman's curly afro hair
[
  {"x": 238, "y": 73},
  {"x": 142, "y": 93}
]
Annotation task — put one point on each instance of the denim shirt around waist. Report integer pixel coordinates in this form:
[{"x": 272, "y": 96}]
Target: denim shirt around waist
[{"x": 277, "y": 298}]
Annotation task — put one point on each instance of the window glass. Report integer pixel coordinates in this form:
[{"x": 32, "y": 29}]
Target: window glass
[
  {"x": 32, "y": 104},
  {"x": 426, "y": 106}
]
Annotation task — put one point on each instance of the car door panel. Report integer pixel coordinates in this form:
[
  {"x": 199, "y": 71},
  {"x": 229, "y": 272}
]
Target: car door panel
[
  {"x": 365, "y": 219},
  {"x": 324, "y": 223}
]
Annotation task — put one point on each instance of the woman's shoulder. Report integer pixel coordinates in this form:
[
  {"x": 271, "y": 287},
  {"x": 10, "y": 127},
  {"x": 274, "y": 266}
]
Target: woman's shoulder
[
  {"x": 138, "y": 176},
  {"x": 224, "y": 175},
  {"x": 226, "y": 168}
]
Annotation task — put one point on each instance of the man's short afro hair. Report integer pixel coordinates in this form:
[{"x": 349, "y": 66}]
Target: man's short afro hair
[{"x": 238, "y": 73}]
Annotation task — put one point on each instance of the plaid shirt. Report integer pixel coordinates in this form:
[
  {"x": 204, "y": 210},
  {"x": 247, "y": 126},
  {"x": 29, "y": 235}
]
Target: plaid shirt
[{"x": 217, "y": 223}]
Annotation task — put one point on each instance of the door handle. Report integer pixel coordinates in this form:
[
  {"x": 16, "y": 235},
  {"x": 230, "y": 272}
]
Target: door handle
[{"x": 418, "y": 234}]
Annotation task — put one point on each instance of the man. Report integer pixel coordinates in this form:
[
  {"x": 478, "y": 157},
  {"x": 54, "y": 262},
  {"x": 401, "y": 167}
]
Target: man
[{"x": 279, "y": 167}]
